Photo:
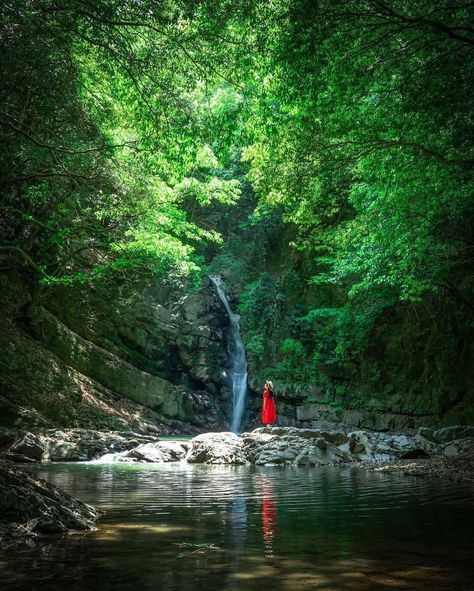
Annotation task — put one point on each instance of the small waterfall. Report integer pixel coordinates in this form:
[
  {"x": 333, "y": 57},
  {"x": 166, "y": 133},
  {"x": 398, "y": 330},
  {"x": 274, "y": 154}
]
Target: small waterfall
[{"x": 238, "y": 362}]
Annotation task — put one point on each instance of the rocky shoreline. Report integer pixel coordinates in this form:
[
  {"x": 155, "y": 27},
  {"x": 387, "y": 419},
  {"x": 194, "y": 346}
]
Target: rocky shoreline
[
  {"x": 262, "y": 446},
  {"x": 459, "y": 468},
  {"x": 31, "y": 507},
  {"x": 71, "y": 445}
]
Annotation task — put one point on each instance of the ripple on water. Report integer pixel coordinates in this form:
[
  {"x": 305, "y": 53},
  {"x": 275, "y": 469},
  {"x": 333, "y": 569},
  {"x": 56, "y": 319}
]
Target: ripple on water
[{"x": 221, "y": 527}]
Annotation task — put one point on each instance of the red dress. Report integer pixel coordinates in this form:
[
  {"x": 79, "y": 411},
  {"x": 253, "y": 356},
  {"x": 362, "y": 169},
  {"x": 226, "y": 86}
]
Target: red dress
[{"x": 269, "y": 413}]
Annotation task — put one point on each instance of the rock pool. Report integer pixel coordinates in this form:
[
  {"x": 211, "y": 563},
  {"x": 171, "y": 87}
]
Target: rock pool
[{"x": 189, "y": 527}]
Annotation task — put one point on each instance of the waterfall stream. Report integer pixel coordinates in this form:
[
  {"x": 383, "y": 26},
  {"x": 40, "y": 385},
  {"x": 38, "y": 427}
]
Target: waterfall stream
[{"x": 238, "y": 362}]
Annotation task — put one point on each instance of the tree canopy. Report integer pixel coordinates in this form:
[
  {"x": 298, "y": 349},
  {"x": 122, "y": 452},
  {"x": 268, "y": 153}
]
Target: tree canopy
[{"x": 129, "y": 127}]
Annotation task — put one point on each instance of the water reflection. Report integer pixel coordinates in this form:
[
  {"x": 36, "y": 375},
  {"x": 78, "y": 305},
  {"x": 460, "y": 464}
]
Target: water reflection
[
  {"x": 219, "y": 528},
  {"x": 269, "y": 514}
]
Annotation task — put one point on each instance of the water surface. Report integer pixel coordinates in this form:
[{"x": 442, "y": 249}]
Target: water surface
[{"x": 192, "y": 527}]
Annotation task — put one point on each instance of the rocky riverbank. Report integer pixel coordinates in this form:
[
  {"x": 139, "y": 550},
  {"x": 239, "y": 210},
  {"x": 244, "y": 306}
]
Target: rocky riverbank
[
  {"x": 459, "y": 468},
  {"x": 72, "y": 445},
  {"x": 31, "y": 507},
  {"x": 284, "y": 446}
]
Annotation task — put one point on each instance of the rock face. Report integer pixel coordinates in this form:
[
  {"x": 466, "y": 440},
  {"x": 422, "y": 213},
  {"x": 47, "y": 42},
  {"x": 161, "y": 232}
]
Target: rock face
[
  {"x": 217, "y": 448},
  {"x": 90, "y": 357},
  {"x": 295, "y": 409},
  {"x": 28, "y": 506}
]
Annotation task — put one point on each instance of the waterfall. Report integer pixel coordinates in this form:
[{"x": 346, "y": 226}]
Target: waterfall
[{"x": 238, "y": 362}]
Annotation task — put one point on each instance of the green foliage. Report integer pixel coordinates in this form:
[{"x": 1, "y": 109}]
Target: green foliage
[
  {"x": 256, "y": 347},
  {"x": 293, "y": 348},
  {"x": 262, "y": 304},
  {"x": 226, "y": 265},
  {"x": 99, "y": 157},
  {"x": 366, "y": 146},
  {"x": 362, "y": 141},
  {"x": 292, "y": 369},
  {"x": 318, "y": 155}
]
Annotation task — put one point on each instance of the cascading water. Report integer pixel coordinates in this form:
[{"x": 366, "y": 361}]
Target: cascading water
[{"x": 238, "y": 362}]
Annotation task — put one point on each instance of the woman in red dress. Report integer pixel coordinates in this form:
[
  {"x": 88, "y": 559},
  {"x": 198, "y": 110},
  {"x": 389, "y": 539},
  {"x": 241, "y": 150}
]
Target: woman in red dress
[{"x": 269, "y": 414}]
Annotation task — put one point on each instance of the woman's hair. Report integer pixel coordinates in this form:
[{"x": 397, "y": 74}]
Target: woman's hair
[{"x": 269, "y": 387}]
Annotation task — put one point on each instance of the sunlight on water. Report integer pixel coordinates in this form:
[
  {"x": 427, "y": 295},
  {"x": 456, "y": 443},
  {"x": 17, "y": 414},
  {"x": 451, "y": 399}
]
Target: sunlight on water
[{"x": 216, "y": 528}]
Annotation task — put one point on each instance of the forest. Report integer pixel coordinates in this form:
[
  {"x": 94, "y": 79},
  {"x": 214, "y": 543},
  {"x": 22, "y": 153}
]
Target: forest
[
  {"x": 316, "y": 155},
  {"x": 236, "y": 282}
]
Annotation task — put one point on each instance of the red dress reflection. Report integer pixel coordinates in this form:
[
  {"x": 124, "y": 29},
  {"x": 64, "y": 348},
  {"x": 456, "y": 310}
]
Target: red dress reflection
[{"x": 269, "y": 516}]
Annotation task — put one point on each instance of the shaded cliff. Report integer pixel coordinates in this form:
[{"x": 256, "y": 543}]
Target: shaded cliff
[
  {"x": 152, "y": 356},
  {"x": 141, "y": 356}
]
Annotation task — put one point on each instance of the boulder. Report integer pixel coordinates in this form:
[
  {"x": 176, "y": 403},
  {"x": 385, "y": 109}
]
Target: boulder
[
  {"x": 336, "y": 437},
  {"x": 159, "y": 452},
  {"x": 289, "y": 445},
  {"x": 366, "y": 445},
  {"x": 217, "y": 448},
  {"x": 453, "y": 433},
  {"x": 427, "y": 434},
  {"x": 28, "y": 505},
  {"x": 401, "y": 446},
  {"x": 68, "y": 445},
  {"x": 28, "y": 448},
  {"x": 83, "y": 444},
  {"x": 321, "y": 452},
  {"x": 458, "y": 446}
]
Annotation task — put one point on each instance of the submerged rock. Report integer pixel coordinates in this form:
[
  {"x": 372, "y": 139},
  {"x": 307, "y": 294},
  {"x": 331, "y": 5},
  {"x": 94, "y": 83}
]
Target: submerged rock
[
  {"x": 217, "y": 448},
  {"x": 29, "y": 506}
]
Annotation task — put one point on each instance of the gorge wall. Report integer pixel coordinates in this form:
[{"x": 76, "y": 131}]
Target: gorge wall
[
  {"x": 149, "y": 357},
  {"x": 152, "y": 356}
]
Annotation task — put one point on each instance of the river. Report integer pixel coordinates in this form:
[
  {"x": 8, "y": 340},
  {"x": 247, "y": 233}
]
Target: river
[{"x": 183, "y": 527}]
